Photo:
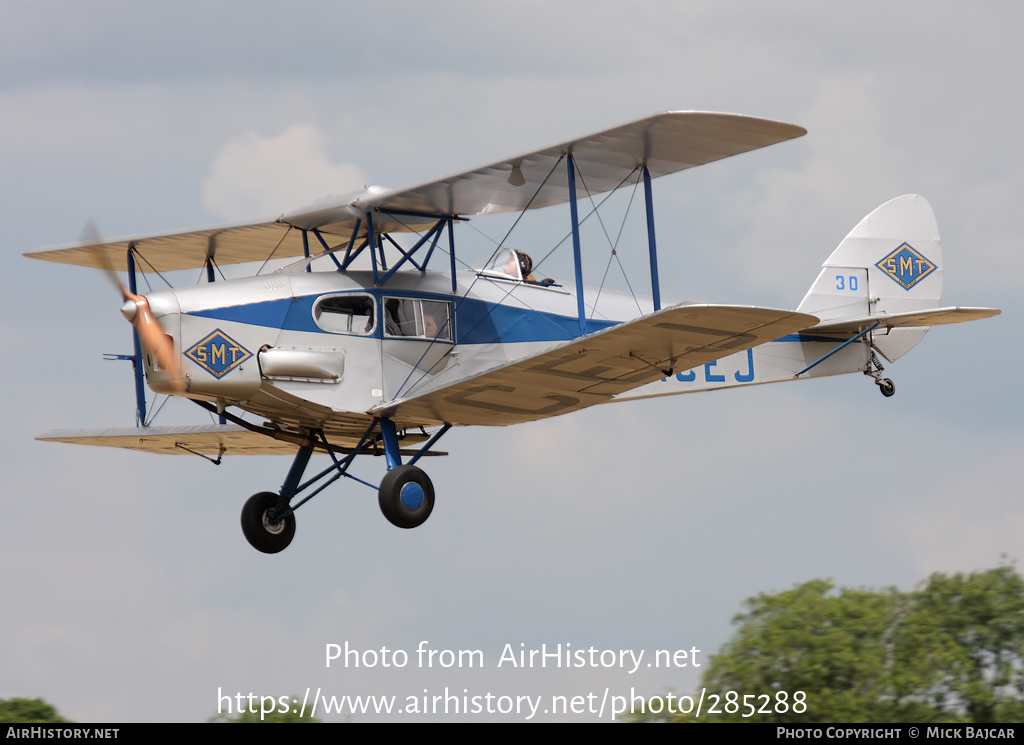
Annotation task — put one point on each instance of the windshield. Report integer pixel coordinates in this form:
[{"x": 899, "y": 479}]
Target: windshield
[{"x": 509, "y": 264}]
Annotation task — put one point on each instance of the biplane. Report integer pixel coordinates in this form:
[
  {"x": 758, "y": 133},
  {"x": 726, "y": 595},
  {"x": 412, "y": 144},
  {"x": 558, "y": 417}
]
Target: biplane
[{"x": 375, "y": 339}]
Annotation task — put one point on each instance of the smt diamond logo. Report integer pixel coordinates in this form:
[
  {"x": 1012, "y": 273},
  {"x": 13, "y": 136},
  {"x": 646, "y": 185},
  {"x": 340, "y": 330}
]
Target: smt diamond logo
[
  {"x": 218, "y": 354},
  {"x": 906, "y": 266}
]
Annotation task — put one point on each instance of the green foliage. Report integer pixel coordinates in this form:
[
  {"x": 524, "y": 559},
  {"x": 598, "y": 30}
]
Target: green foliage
[
  {"x": 962, "y": 644},
  {"x": 28, "y": 711},
  {"x": 271, "y": 717},
  {"x": 831, "y": 647},
  {"x": 952, "y": 650}
]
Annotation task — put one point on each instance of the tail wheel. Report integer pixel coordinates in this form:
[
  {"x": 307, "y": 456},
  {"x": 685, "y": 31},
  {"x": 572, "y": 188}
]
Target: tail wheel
[
  {"x": 406, "y": 496},
  {"x": 261, "y": 528},
  {"x": 886, "y": 386}
]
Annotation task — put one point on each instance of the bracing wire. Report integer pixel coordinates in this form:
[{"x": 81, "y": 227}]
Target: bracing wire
[{"x": 271, "y": 255}]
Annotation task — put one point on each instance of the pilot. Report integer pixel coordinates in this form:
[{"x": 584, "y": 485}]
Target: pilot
[{"x": 525, "y": 266}]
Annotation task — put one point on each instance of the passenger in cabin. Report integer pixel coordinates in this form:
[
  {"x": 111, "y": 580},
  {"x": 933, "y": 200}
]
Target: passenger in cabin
[
  {"x": 392, "y": 323},
  {"x": 430, "y": 327}
]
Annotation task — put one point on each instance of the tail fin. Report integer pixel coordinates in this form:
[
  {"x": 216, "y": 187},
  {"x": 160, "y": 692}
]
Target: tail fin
[{"x": 890, "y": 263}]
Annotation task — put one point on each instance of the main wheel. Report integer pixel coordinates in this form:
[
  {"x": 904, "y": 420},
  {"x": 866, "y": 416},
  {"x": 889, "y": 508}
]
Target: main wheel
[
  {"x": 887, "y": 387},
  {"x": 261, "y": 529},
  {"x": 406, "y": 496}
]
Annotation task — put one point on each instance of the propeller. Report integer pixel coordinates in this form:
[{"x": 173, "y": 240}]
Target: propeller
[
  {"x": 136, "y": 309},
  {"x": 154, "y": 338}
]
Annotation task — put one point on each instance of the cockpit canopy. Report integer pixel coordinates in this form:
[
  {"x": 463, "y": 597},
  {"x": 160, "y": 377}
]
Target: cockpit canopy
[{"x": 509, "y": 264}]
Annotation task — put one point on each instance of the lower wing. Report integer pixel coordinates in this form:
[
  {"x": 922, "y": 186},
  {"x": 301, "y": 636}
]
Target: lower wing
[{"x": 594, "y": 368}]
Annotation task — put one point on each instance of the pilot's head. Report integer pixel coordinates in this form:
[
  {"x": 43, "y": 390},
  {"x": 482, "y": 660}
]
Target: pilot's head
[{"x": 525, "y": 263}]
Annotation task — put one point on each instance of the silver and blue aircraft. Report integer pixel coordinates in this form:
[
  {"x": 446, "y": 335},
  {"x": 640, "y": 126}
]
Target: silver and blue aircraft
[{"x": 371, "y": 343}]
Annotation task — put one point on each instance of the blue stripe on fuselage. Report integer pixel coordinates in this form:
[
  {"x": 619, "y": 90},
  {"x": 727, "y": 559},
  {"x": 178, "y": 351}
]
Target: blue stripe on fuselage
[
  {"x": 802, "y": 336},
  {"x": 480, "y": 322},
  {"x": 476, "y": 321}
]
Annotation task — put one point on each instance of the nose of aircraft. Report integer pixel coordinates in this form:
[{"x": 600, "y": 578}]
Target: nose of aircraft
[
  {"x": 136, "y": 309},
  {"x": 154, "y": 338}
]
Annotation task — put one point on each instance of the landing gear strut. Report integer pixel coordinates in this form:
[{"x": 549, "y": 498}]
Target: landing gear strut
[
  {"x": 406, "y": 495},
  {"x": 874, "y": 369}
]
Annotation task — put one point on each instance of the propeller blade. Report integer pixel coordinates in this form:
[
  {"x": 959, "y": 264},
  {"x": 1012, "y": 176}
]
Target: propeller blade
[
  {"x": 136, "y": 310},
  {"x": 90, "y": 235}
]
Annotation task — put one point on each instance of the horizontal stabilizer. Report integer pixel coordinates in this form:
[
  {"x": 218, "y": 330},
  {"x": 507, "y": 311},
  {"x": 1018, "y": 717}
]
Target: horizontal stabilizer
[
  {"x": 594, "y": 368},
  {"x": 934, "y": 317}
]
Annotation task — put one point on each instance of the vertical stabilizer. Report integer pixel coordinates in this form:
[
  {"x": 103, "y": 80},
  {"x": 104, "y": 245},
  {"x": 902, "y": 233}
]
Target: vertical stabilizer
[{"x": 890, "y": 263}]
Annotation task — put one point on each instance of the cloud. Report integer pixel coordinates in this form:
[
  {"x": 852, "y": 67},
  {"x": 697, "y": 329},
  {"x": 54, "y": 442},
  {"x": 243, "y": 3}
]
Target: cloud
[
  {"x": 796, "y": 214},
  {"x": 255, "y": 176}
]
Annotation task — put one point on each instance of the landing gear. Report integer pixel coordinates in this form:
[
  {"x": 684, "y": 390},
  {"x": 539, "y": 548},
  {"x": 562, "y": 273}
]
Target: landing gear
[
  {"x": 874, "y": 369},
  {"x": 261, "y": 528},
  {"x": 406, "y": 496}
]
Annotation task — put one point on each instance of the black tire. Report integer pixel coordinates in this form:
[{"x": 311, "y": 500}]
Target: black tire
[
  {"x": 261, "y": 530},
  {"x": 887, "y": 387},
  {"x": 406, "y": 496}
]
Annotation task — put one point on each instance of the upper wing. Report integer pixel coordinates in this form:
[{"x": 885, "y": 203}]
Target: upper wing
[
  {"x": 666, "y": 143},
  {"x": 184, "y": 249},
  {"x": 592, "y": 369},
  {"x": 934, "y": 317}
]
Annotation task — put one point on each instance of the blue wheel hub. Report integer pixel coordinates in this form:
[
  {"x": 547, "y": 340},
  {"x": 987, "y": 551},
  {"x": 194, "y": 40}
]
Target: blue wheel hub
[{"x": 411, "y": 495}]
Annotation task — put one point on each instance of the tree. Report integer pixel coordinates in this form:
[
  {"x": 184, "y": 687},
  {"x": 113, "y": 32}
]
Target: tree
[
  {"x": 28, "y": 711},
  {"x": 832, "y": 648},
  {"x": 951, "y": 650},
  {"x": 963, "y": 640}
]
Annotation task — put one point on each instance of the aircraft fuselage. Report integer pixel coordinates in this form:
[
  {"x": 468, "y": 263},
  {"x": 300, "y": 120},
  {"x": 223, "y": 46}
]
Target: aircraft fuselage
[{"x": 327, "y": 344}]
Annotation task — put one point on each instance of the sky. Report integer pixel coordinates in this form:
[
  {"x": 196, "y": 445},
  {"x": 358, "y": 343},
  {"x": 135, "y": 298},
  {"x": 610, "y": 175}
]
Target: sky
[{"x": 130, "y": 593}]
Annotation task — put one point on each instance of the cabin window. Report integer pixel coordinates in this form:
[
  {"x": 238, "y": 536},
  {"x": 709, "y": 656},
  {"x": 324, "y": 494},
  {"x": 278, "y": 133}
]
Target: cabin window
[
  {"x": 418, "y": 318},
  {"x": 345, "y": 314}
]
